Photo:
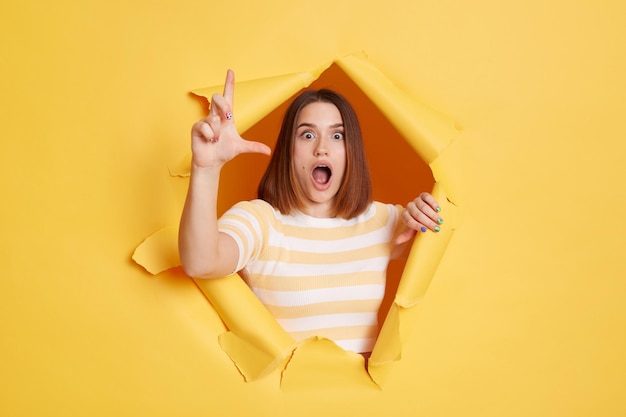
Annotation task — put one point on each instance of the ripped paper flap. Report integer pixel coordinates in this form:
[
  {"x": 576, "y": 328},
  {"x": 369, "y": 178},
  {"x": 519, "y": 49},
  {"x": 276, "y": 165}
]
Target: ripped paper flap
[
  {"x": 424, "y": 259},
  {"x": 425, "y": 129},
  {"x": 256, "y": 343}
]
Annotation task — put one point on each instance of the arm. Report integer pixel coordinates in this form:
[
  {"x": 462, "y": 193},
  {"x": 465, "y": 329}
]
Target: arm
[
  {"x": 420, "y": 215},
  {"x": 204, "y": 252}
]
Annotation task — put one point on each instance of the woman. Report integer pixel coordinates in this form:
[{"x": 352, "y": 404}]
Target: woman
[{"x": 313, "y": 247}]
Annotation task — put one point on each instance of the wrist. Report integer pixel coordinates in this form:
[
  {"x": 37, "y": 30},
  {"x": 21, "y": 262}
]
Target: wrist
[{"x": 211, "y": 169}]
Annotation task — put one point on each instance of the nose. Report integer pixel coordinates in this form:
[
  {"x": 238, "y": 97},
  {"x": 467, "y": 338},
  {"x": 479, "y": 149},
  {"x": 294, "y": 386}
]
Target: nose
[{"x": 321, "y": 148}]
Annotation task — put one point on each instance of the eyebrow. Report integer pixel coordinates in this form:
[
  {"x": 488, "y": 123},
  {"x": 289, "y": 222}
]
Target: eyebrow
[{"x": 304, "y": 124}]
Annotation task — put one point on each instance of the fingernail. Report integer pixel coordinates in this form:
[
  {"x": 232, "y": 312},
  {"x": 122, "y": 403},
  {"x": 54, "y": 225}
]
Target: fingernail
[
  {"x": 437, "y": 229},
  {"x": 216, "y": 139},
  {"x": 423, "y": 229},
  {"x": 439, "y": 221},
  {"x": 229, "y": 115},
  {"x": 438, "y": 209}
]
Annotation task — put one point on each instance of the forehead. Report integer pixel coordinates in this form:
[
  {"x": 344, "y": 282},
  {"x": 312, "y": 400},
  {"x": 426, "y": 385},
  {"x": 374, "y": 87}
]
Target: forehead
[{"x": 319, "y": 113}]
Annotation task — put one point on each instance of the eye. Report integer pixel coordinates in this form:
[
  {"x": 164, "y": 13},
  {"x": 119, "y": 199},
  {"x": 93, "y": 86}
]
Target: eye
[
  {"x": 338, "y": 135},
  {"x": 307, "y": 135}
]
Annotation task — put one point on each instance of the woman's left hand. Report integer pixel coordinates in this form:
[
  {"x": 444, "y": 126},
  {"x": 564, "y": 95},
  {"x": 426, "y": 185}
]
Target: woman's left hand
[{"x": 420, "y": 215}]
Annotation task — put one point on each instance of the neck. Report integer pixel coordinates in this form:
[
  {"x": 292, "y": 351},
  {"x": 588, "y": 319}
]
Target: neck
[{"x": 321, "y": 211}]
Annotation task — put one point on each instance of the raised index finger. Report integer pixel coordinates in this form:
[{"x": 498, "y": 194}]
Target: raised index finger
[{"x": 229, "y": 87}]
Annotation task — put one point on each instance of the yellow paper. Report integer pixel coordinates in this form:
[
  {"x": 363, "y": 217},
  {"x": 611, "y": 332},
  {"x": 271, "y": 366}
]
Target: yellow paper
[
  {"x": 255, "y": 342},
  {"x": 258, "y": 344},
  {"x": 524, "y": 313},
  {"x": 319, "y": 364},
  {"x": 159, "y": 251},
  {"x": 425, "y": 256},
  {"x": 254, "y": 99},
  {"x": 427, "y": 130}
]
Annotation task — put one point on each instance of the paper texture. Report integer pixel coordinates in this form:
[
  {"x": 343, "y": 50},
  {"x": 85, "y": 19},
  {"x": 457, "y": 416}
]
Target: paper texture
[{"x": 255, "y": 342}]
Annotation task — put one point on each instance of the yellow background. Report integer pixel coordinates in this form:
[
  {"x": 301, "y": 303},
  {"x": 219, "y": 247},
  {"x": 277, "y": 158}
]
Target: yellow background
[{"x": 525, "y": 314}]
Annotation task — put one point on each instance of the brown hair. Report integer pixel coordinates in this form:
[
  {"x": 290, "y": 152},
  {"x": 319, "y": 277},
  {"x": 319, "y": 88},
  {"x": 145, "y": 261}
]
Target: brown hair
[{"x": 279, "y": 186}]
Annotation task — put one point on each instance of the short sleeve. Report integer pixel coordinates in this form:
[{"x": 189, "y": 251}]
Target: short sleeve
[
  {"x": 395, "y": 214},
  {"x": 244, "y": 223}
]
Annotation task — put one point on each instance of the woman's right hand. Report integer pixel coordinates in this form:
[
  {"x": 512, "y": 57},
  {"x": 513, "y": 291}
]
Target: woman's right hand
[{"x": 214, "y": 139}]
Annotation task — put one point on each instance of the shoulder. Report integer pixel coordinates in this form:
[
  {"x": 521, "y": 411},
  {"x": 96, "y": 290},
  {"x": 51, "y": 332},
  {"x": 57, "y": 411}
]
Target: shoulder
[
  {"x": 385, "y": 213},
  {"x": 255, "y": 207},
  {"x": 386, "y": 209},
  {"x": 253, "y": 213}
]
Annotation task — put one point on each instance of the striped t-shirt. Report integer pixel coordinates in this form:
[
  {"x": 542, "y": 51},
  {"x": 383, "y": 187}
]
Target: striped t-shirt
[{"x": 317, "y": 276}]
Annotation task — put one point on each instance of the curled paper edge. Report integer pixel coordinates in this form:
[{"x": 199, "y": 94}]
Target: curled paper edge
[{"x": 256, "y": 343}]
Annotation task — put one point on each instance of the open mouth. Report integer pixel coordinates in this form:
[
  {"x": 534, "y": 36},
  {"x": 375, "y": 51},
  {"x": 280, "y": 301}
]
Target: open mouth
[{"x": 322, "y": 174}]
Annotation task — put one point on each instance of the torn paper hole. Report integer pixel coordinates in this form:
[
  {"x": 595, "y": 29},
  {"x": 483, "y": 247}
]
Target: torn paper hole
[{"x": 255, "y": 342}]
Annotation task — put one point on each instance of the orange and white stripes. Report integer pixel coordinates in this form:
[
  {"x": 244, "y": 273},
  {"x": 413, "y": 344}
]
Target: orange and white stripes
[{"x": 318, "y": 277}]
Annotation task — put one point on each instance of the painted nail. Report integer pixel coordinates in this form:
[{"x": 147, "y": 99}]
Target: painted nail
[
  {"x": 423, "y": 229},
  {"x": 438, "y": 209},
  {"x": 439, "y": 221},
  {"x": 437, "y": 228},
  {"x": 229, "y": 115},
  {"x": 216, "y": 139}
]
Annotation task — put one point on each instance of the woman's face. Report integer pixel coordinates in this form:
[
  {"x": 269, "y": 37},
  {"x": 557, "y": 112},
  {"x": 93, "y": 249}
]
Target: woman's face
[{"x": 319, "y": 156}]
